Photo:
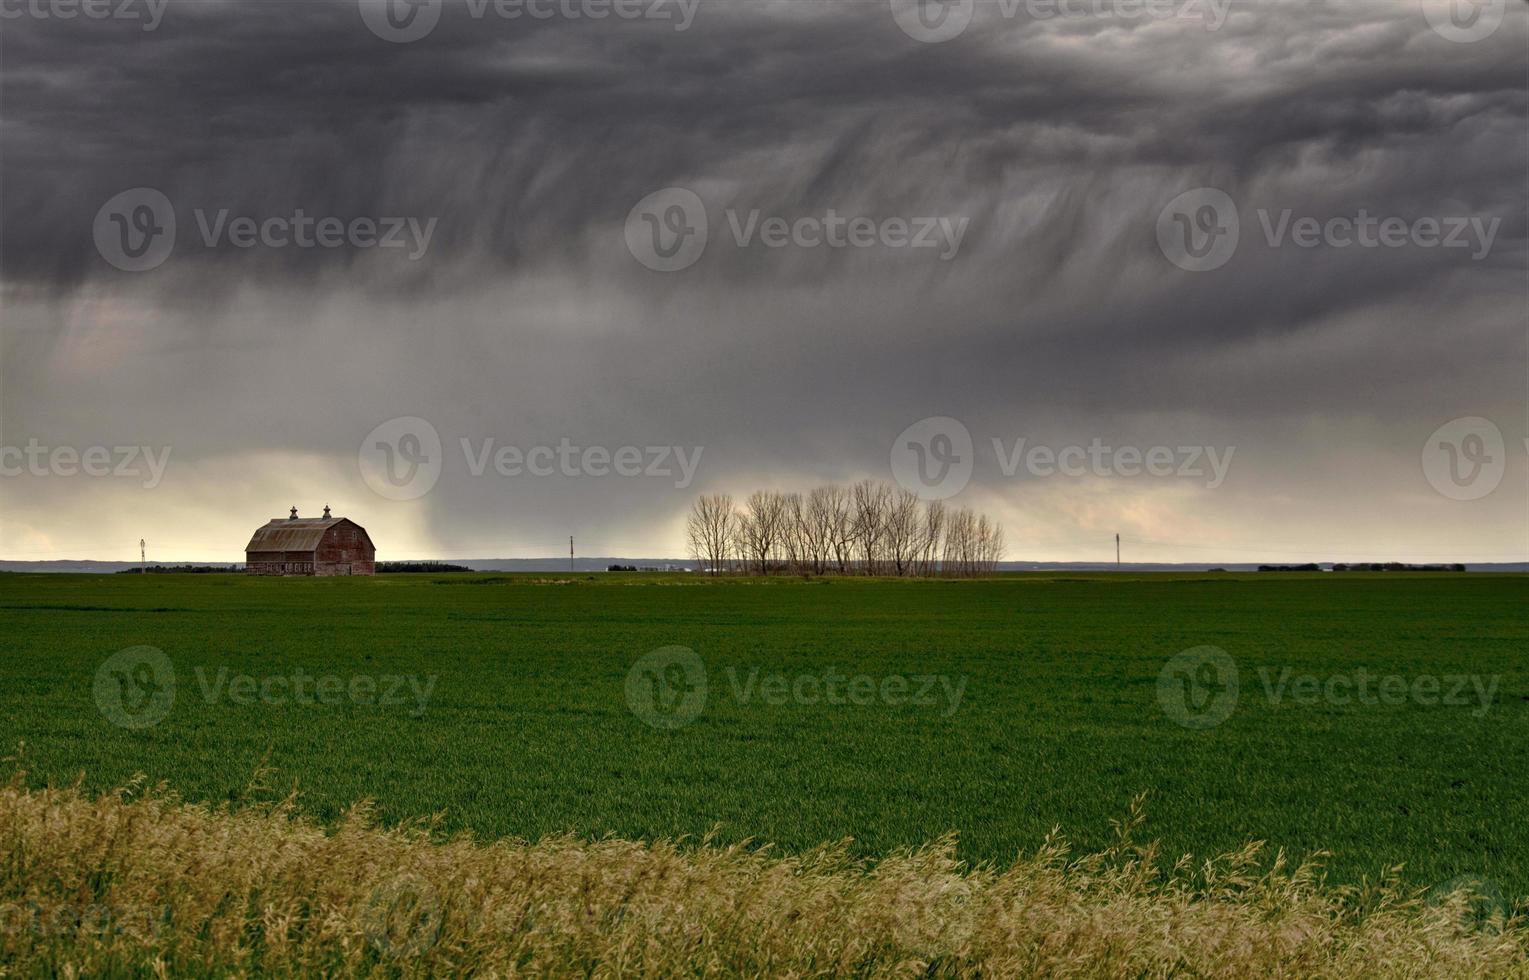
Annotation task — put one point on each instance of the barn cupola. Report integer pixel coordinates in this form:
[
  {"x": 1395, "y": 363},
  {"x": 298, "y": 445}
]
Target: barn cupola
[
  {"x": 326, "y": 511},
  {"x": 294, "y": 514}
]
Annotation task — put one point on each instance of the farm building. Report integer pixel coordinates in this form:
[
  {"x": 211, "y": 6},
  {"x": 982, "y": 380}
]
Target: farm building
[{"x": 310, "y": 546}]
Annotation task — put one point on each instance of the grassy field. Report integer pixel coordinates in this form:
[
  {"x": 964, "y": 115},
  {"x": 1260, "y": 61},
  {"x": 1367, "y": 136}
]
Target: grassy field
[{"x": 1046, "y": 707}]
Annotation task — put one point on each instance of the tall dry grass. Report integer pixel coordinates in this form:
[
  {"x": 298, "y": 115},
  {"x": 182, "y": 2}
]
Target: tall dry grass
[{"x": 138, "y": 882}]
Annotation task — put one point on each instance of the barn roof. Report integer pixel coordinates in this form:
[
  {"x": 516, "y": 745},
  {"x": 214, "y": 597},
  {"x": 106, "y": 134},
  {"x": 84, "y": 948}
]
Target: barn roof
[{"x": 296, "y": 533}]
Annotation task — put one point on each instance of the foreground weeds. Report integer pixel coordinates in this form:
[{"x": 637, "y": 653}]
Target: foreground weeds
[{"x": 138, "y": 882}]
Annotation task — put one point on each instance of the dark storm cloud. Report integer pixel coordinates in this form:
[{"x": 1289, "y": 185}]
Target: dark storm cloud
[{"x": 1060, "y": 140}]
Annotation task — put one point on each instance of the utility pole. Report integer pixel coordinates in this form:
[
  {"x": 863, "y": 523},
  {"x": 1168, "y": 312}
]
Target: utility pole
[
  {"x": 1117, "y": 550},
  {"x": 143, "y": 557},
  {"x": 570, "y": 552}
]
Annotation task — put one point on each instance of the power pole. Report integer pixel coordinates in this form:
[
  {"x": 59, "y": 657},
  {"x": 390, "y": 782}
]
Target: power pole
[
  {"x": 570, "y": 552},
  {"x": 143, "y": 557},
  {"x": 1117, "y": 551}
]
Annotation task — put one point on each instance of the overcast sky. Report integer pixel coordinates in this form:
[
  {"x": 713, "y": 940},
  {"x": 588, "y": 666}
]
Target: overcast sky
[{"x": 1283, "y": 240}]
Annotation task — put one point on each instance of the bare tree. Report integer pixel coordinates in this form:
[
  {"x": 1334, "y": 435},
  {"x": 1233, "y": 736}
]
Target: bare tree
[
  {"x": 709, "y": 529},
  {"x": 760, "y": 526},
  {"x": 821, "y": 521},
  {"x": 793, "y": 532},
  {"x": 959, "y": 532},
  {"x": 900, "y": 531},
  {"x": 869, "y": 528},
  {"x": 868, "y": 510},
  {"x": 841, "y": 539},
  {"x": 931, "y": 536},
  {"x": 989, "y": 549}
]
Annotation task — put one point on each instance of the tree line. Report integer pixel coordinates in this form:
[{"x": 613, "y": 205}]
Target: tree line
[{"x": 866, "y": 529}]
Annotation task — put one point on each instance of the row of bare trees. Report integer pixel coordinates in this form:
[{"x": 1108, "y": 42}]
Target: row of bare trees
[{"x": 867, "y": 529}]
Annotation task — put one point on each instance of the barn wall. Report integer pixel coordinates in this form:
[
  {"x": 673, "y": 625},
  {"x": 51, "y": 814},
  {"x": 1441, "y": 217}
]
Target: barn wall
[
  {"x": 278, "y": 563},
  {"x": 344, "y": 551}
]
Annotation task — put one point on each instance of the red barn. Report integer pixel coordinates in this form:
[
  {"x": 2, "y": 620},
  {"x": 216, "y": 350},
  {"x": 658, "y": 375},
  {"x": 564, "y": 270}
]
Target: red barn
[{"x": 310, "y": 546}]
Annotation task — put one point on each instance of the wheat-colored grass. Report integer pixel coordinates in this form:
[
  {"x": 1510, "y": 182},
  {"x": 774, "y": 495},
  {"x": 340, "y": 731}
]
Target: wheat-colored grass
[{"x": 138, "y": 882}]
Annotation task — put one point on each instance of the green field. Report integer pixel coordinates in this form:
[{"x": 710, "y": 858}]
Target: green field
[{"x": 527, "y": 730}]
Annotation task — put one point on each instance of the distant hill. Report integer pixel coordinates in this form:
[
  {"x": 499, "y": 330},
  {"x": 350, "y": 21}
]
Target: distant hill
[{"x": 681, "y": 564}]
